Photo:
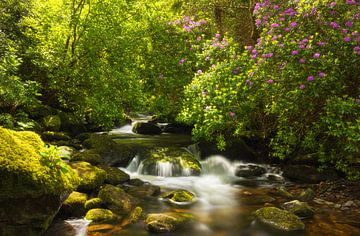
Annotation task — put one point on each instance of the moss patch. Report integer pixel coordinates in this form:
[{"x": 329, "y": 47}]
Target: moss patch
[
  {"x": 99, "y": 215},
  {"x": 91, "y": 176},
  {"x": 23, "y": 170},
  {"x": 93, "y": 203},
  {"x": 279, "y": 219},
  {"x": 117, "y": 199},
  {"x": 167, "y": 221},
  {"x": 179, "y": 196}
]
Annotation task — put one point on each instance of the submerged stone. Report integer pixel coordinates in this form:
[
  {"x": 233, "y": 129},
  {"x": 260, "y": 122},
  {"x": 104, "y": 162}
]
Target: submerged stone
[
  {"x": 167, "y": 222},
  {"x": 279, "y": 219},
  {"x": 298, "y": 208},
  {"x": 179, "y": 196}
]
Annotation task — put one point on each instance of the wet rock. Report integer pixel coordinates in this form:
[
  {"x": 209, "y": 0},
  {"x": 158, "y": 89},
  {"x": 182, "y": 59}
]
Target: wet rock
[
  {"x": 74, "y": 205},
  {"x": 176, "y": 128},
  {"x": 301, "y": 209},
  {"x": 52, "y": 122},
  {"x": 170, "y": 162},
  {"x": 349, "y": 204},
  {"x": 180, "y": 196},
  {"x": 133, "y": 217},
  {"x": 282, "y": 192},
  {"x": 308, "y": 174},
  {"x": 99, "y": 215},
  {"x": 167, "y": 222},
  {"x": 306, "y": 195},
  {"x": 146, "y": 190},
  {"x": 116, "y": 199},
  {"x": 275, "y": 178},
  {"x": 136, "y": 182},
  {"x": 113, "y": 153},
  {"x": 114, "y": 175},
  {"x": 257, "y": 199},
  {"x": 61, "y": 229},
  {"x": 91, "y": 177},
  {"x": 90, "y": 156},
  {"x": 93, "y": 203},
  {"x": 247, "y": 171},
  {"x": 146, "y": 128},
  {"x": 279, "y": 219}
]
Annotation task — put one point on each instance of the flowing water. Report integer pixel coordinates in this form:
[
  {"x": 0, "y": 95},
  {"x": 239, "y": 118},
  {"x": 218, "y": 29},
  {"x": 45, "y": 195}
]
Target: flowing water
[{"x": 224, "y": 203}]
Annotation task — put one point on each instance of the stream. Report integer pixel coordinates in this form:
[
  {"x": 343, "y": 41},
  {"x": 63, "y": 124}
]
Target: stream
[{"x": 224, "y": 203}]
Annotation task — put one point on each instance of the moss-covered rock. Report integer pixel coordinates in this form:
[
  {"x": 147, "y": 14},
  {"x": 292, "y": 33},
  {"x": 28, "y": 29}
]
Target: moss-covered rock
[
  {"x": 91, "y": 177},
  {"x": 34, "y": 182},
  {"x": 52, "y": 122},
  {"x": 115, "y": 176},
  {"x": 298, "y": 208},
  {"x": 178, "y": 161},
  {"x": 74, "y": 205},
  {"x": 116, "y": 199},
  {"x": 66, "y": 152},
  {"x": 90, "y": 156},
  {"x": 167, "y": 222},
  {"x": 113, "y": 153},
  {"x": 181, "y": 195},
  {"x": 99, "y": 215},
  {"x": 146, "y": 190},
  {"x": 306, "y": 195},
  {"x": 133, "y": 216},
  {"x": 93, "y": 203},
  {"x": 146, "y": 128},
  {"x": 279, "y": 219},
  {"x": 51, "y": 136}
]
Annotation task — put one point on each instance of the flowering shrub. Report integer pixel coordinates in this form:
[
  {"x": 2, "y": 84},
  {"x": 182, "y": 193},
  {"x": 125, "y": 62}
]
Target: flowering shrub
[{"x": 298, "y": 86}]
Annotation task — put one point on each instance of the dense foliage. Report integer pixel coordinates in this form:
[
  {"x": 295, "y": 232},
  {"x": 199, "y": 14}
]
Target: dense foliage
[
  {"x": 298, "y": 86},
  {"x": 295, "y": 85}
]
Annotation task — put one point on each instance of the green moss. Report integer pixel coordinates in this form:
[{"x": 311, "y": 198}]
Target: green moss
[
  {"x": 99, "y": 215},
  {"x": 93, "y": 203},
  {"x": 91, "y": 177},
  {"x": 179, "y": 196},
  {"x": 279, "y": 219},
  {"x": 167, "y": 221},
  {"x": 133, "y": 216},
  {"x": 76, "y": 198},
  {"x": 55, "y": 136},
  {"x": 115, "y": 176},
  {"x": 23, "y": 171},
  {"x": 181, "y": 160},
  {"x": 117, "y": 199},
  {"x": 90, "y": 156}
]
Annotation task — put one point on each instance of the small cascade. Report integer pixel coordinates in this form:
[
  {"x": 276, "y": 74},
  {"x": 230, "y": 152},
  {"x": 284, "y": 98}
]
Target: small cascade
[
  {"x": 126, "y": 129},
  {"x": 217, "y": 165},
  {"x": 164, "y": 169},
  {"x": 79, "y": 225},
  {"x": 134, "y": 164}
]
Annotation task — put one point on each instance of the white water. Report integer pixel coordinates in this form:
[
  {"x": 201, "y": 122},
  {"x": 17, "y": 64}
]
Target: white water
[
  {"x": 164, "y": 169},
  {"x": 126, "y": 129},
  {"x": 80, "y": 226}
]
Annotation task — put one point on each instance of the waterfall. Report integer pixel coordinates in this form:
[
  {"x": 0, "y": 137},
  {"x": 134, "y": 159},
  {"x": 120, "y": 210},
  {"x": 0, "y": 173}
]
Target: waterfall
[
  {"x": 80, "y": 226},
  {"x": 164, "y": 169}
]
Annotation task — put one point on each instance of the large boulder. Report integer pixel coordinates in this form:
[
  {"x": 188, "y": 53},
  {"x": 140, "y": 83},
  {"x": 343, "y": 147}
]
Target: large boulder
[
  {"x": 146, "y": 128},
  {"x": 116, "y": 199},
  {"x": 301, "y": 209},
  {"x": 170, "y": 162},
  {"x": 52, "y": 122},
  {"x": 114, "y": 154},
  {"x": 91, "y": 177},
  {"x": 34, "y": 183},
  {"x": 249, "y": 170},
  {"x": 146, "y": 190},
  {"x": 93, "y": 203},
  {"x": 167, "y": 222},
  {"x": 308, "y": 174},
  {"x": 279, "y": 219}
]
